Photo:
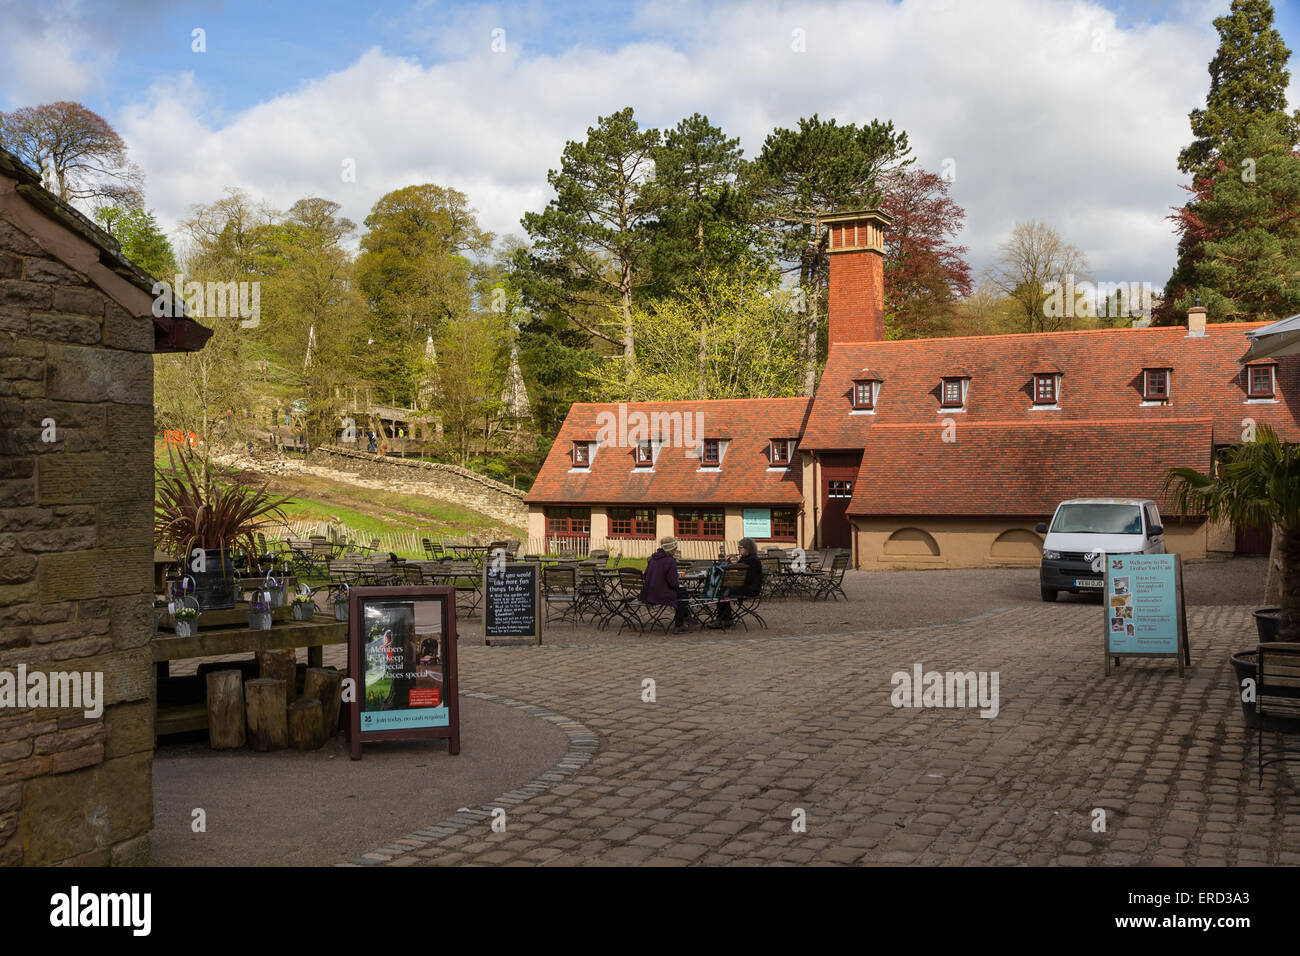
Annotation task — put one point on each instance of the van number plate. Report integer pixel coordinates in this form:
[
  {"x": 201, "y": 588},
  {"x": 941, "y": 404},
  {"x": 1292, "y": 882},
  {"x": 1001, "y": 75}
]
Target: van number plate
[{"x": 1087, "y": 583}]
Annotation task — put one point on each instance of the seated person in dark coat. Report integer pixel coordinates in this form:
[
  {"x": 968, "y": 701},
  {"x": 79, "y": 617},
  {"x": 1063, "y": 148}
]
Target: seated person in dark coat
[
  {"x": 661, "y": 584},
  {"x": 753, "y": 580}
]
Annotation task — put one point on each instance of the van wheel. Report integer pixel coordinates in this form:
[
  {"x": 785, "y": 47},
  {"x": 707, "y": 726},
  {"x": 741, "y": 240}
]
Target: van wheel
[{"x": 1049, "y": 595}]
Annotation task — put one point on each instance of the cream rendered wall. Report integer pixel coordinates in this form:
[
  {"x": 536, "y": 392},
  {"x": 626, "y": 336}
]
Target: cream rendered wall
[{"x": 885, "y": 543}]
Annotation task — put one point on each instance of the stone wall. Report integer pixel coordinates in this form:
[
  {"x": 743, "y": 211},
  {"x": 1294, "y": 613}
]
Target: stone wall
[
  {"x": 448, "y": 482},
  {"x": 76, "y": 523}
]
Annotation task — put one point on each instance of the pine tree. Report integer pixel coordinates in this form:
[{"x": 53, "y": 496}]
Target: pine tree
[{"x": 1248, "y": 81}]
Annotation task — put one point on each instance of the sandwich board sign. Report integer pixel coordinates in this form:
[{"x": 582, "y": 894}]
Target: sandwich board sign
[
  {"x": 402, "y": 652},
  {"x": 1142, "y": 598},
  {"x": 512, "y": 605}
]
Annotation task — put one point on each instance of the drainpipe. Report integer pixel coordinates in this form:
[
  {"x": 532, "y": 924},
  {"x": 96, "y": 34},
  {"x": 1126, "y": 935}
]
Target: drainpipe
[{"x": 817, "y": 493}]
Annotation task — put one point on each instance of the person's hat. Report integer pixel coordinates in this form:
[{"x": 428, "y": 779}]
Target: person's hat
[{"x": 668, "y": 543}]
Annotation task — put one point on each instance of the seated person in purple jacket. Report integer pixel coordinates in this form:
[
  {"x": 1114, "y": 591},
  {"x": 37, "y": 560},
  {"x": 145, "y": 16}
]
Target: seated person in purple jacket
[{"x": 661, "y": 584}]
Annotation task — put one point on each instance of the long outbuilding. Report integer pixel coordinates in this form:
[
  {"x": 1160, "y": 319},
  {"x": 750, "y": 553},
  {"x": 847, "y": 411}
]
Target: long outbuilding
[{"x": 919, "y": 453}]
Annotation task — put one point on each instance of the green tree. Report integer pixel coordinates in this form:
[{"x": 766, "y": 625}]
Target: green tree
[
  {"x": 1248, "y": 226},
  {"x": 142, "y": 241},
  {"x": 803, "y": 174},
  {"x": 703, "y": 217},
  {"x": 746, "y": 321},
  {"x": 1248, "y": 82},
  {"x": 590, "y": 242},
  {"x": 418, "y": 262},
  {"x": 1256, "y": 483},
  {"x": 314, "y": 315}
]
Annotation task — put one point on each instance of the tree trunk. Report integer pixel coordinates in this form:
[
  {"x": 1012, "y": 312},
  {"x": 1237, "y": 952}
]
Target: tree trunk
[
  {"x": 306, "y": 725},
  {"x": 225, "y": 709},
  {"x": 1273, "y": 583},
  {"x": 629, "y": 345},
  {"x": 279, "y": 665},
  {"x": 326, "y": 685},
  {"x": 1289, "y": 623},
  {"x": 267, "y": 709},
  {"x": 701, "y": 362}
]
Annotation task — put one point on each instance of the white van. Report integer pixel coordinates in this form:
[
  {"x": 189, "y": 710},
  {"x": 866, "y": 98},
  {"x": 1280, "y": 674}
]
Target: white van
[{"x": 1084, "y": 528}]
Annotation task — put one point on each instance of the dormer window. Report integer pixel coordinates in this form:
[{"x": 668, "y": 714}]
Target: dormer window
[
  {"x": 1261, "y": 381},
  {"x": 1155, "y": 384},
  {"x": 581, "y": 454},
  {"x": 953, "y": 393},
  {"x": 710, "y": 454},
  {"x": 779, "y": 451},
  {"x": 645, "y": 454},
  {"x": 1046, "y": 390},
  {"x": 864, "y": 395}
]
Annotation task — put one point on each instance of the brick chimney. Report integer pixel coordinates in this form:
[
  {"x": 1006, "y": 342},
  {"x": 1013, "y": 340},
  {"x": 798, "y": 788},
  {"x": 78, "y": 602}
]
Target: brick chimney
[{"x": 856, "y": 245}]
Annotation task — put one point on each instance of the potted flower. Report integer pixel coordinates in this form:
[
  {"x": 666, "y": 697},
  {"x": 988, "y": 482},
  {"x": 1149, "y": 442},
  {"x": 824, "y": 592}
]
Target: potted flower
[
  {"x": 1254, "y": 483},
  {"x": 339, "y": 598},
  {"x": 274, "y": 590},
  {"x": 205, "y": 521},
  {"x": 259, "y": 612},
  {"x": 185, "y": 619},
  {"x": 304, "y": 606}
]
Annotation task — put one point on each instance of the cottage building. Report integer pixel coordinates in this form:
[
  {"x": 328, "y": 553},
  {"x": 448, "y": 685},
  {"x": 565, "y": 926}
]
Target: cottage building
[
  {"x": 77, "y": 338},
  {"x": 920, "y": 453}
]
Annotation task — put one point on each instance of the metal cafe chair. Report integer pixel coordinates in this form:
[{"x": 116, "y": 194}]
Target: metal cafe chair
[
  {"x": 733, "y": 579},
  {"x": 634, "y": 612},
  {"x": 1277, "y": 694},
  {"x": 560, "y": 590},
  {"x": 831, "y": 582}
]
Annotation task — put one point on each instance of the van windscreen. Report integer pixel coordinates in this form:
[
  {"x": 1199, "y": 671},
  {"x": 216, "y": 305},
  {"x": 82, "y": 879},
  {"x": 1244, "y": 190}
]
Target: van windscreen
[{"x": 1098, "y": 519}]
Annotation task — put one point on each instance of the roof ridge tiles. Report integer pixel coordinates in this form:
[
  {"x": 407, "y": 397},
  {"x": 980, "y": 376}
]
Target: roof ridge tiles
[{"x": 1225, "y": 326}]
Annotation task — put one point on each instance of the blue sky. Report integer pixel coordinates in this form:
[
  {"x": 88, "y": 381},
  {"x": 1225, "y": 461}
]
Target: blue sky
[{"x": 1017, "y": 93}]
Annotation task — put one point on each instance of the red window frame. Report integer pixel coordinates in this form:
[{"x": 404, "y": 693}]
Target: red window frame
[
  {"x": 568, "y": 522},
  {"x": 785, "y": 521},
  {"x": 839, "y": 489},
  {"x": 632, "y": 522},
  {"x": 1044, "y": 396},
  {"x": 711, "y": 452},
  {"x": 943, "y": 393},
  {"x": 699, "y": 523},
  {"x": 1270, "y": 390},
  {"x": 1150, "y": 393},
  {"x": 864, "y": 394},
  {"x": 581, "y": 454},
  {"x": 645, "y": 454},
  {"x": 779, "y": 451}
]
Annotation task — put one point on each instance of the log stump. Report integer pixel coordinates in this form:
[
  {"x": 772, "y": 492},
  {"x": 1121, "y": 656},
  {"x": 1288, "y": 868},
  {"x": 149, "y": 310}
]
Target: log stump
[
  {"x": 267, "y": 709},
  {"x": 279, "y": 665},
  {"x": 325, "y": 684},
  {"x": 225, "y": 709},
  {"x": 306, "y": 724}
]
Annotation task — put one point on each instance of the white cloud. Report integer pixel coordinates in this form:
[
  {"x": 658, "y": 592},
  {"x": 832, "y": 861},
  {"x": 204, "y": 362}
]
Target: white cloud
[{"x": 1049, "y": 109}]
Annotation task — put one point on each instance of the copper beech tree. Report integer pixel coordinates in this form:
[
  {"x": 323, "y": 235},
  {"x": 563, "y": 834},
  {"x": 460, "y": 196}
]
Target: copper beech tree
[{"x": 82, "y": 157}]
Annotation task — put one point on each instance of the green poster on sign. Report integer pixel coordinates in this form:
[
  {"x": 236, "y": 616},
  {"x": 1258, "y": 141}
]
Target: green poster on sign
[
  {"x": 757, "y": 522},
  {"x": 1143, "y": 604}
]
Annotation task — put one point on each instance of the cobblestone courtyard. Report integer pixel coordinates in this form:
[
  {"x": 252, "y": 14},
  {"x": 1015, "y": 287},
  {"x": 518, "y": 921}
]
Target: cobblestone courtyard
[{"x": 744, "y": 732}]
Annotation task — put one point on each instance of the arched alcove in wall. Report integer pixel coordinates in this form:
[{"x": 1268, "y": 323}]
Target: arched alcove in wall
[
  {"x": 1016, "y": 543},
  {"x": 911, "y": 541}
]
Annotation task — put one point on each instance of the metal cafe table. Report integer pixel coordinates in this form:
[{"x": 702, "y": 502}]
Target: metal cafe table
[{"x": 225, "y": 632}]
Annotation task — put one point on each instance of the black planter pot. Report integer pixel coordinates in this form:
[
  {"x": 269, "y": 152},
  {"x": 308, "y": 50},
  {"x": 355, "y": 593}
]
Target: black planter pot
[
  {"x": 1266, "y": 622},
  {"x": 212, "y": 586},
  {"x": 1244, "y": 665}
]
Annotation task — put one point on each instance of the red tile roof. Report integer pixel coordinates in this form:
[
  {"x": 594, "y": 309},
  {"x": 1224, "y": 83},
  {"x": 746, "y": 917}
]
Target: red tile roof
[
  {"x": 1101, "y": 380},
  {"x": 1021, "y": 469},
  {"x": 744, "y": 477}
]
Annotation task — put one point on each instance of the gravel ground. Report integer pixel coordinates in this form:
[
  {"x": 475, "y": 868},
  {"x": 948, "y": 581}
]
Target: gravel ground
[
  {"x": 318, "y": 808},
  {"x": 897, "y": 599}
]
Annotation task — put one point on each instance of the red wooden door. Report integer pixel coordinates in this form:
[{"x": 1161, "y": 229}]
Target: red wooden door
[
  {"x": 1253, "y": 539},
  {"x": 839, "y": 473}
]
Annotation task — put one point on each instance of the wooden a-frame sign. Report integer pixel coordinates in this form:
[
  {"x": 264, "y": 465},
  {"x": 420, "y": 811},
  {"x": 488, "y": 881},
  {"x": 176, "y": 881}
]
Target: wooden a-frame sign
[{"x": 402, "y": 657}]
